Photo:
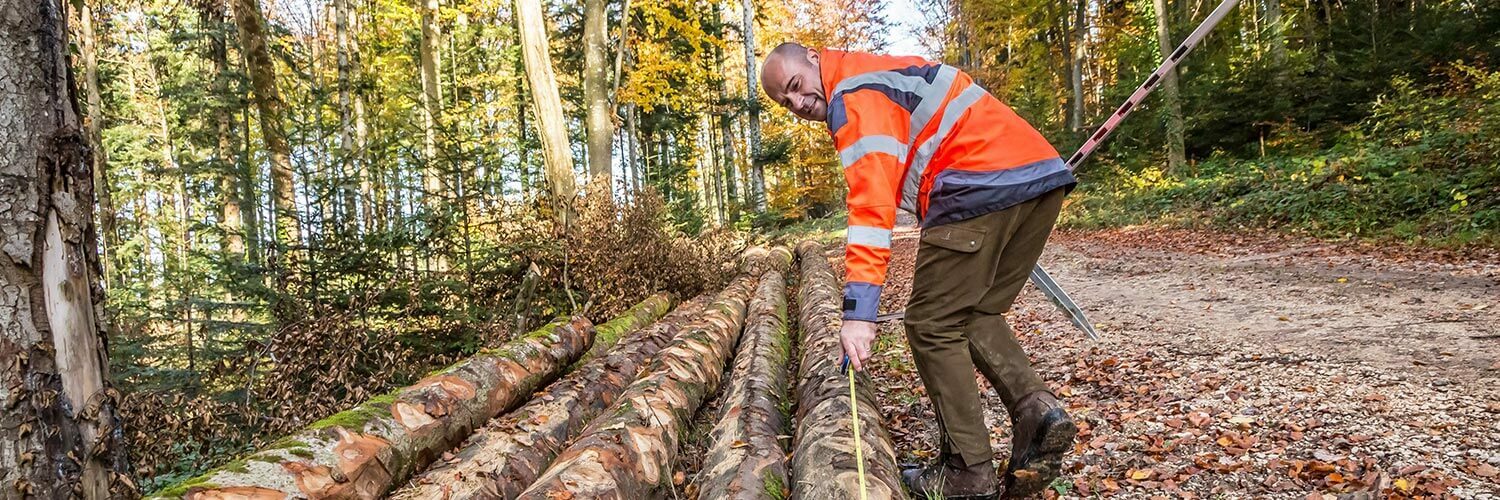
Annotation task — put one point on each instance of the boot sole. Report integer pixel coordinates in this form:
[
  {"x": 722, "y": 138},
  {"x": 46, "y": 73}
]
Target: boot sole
[{"x": 1053, "y": 440}]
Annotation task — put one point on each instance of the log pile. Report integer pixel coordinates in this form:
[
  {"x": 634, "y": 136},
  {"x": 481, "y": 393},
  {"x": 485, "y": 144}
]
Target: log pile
[
  {"x": 746, "y": 458},
  {"x": 627, "y": 453},
  {"x": 823, "y": 464},
  {"x": 507, "y": 455},
  {"x": 363, "y": 452}
]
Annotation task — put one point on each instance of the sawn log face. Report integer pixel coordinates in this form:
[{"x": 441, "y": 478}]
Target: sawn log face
[
  {"x": 363, "y": 452},
  {"x": 746, "y": 458},
  {"x": 628, "y": 451},
  {"x": 823, "y": 465},
  {"x": 506, "y": 456}
]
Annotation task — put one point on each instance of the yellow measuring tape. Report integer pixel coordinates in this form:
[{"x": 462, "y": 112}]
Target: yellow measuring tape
[{"x": 859, "y": 454}]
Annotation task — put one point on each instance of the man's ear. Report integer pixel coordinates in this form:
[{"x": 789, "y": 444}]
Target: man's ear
[{"x": 812, "y": 57}]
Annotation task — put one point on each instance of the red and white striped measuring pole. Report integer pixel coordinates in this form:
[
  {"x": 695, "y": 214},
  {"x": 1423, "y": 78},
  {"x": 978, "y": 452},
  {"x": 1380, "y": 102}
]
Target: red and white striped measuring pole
[
  {"x": 1039, "y": 276},
  {"x": 1150, "y": 84}
]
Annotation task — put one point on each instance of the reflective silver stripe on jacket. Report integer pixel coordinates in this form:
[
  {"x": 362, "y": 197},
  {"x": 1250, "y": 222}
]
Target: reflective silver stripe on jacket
[{"x": 870, "y": 236}]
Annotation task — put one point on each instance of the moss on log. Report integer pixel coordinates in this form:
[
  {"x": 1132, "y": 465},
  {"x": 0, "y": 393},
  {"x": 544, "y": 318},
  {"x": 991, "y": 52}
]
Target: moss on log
[
  {"x": 506, "y": 456},
  {"x": 608, "y": 334},
  {"x": 363, "y": 452}
]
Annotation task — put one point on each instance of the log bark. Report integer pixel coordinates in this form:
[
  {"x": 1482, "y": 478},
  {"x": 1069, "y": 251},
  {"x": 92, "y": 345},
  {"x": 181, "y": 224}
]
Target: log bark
[
  {"x": 823, "y": 465},
  {"x": 506, "y": 456},
  {"x": 746, "y": 458},
  {"x": 637, "y": 317},
  {"x": 362, "y": 453},
  {"x": 628, "y": 452},
  {"x": 59, "y": 427}
]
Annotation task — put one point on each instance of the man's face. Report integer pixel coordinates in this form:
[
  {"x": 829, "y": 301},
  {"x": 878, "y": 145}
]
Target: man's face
[{"x": 795, "y": 82}]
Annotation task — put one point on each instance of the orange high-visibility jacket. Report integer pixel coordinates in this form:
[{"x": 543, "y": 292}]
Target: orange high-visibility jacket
[{"x": 922, "y": 136}]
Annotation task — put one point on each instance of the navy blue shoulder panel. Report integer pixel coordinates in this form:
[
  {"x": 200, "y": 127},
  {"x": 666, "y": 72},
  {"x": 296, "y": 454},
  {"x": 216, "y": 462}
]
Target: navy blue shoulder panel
[
  {"x": 928, "y": 72},
  {"x": 837, "y": 116}
]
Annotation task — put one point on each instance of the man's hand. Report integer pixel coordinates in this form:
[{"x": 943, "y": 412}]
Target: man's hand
[{"x": 856, "y": 338}]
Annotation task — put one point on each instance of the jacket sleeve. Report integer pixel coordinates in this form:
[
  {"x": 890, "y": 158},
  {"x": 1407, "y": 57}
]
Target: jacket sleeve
[{"x": 870, "y": 132}]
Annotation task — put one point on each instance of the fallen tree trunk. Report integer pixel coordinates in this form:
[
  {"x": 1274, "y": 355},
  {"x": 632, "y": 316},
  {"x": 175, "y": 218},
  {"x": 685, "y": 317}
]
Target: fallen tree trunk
[
  {"x": 823, "y": 465},
  {"x": 505, "y": 457},
  {"x": 361, "y": 453},
  {"x": 746, "y": 459},
  {"x": 628, "y": 452},
  {"x": 633, "y": 319}
]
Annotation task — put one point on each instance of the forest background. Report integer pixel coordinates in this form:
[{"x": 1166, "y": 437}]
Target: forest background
[{"x": 305, "y": 203}]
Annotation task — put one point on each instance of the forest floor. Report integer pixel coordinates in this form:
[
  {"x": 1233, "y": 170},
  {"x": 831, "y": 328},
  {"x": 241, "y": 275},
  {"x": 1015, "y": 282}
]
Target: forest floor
[{"x": 1235, "y": 366}]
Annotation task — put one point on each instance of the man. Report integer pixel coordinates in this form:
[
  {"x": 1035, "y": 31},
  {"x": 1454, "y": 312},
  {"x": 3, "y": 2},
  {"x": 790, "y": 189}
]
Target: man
[{"x": 987, "y": 188}]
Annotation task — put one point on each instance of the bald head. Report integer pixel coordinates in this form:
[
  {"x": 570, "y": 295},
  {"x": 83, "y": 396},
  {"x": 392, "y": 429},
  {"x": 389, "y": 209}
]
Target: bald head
[{"x": 792, "y": 77}]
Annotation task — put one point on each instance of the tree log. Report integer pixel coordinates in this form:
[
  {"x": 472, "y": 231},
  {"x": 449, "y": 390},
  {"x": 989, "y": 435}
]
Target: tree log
[
  {"x": 746, "y": 459},
  {"x": 823, "y": 465},
  {"x": 632, "y": 320},
  {"x": 506, "y": 456},
  {"x": 363, "y": 452},
  {"x": 627, "y": 453}
]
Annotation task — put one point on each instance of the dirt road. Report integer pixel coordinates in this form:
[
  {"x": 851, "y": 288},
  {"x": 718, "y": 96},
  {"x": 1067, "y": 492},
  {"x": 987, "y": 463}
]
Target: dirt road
[{"x": 1251, "y": 367}]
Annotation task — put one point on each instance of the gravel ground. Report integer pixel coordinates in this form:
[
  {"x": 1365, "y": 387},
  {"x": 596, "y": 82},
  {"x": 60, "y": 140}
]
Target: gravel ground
[{"x": 1237, "y": 366}]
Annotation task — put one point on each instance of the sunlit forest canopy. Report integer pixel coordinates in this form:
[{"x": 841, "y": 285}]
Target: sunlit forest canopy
[{"x": 305, "y": 203}]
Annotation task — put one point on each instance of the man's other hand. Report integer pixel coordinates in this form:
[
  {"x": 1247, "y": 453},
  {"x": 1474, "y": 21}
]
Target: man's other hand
[{"x": 856, "y": 337}]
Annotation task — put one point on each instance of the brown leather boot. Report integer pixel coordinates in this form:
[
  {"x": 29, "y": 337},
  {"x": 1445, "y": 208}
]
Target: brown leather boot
[
  {"x": 950, "y": 479},
  {"x": 1042, "y": 434}
]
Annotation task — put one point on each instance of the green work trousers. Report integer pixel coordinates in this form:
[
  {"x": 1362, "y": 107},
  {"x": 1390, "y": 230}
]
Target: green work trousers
[{"x": 968, "y": 274}]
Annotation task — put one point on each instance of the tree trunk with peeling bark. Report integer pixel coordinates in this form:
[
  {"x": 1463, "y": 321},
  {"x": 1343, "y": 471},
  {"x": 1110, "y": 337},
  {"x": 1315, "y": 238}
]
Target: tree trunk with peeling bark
[
  {"x": 823, "y": 466},
  {"x": 506, "y": 456},
  {"x": 551, "y": 122},
  {"x": 746, "y": 458},
  {"x": 628, "y": 452},
  {"x": 59, "y": 430},
  {"x": 363, "y": 452}
]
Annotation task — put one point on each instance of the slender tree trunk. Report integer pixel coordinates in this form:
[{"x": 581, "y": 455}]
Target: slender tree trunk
[
  {"x": 249, "y": 176},
  {"x": 595, "y": 91},
  {"x": 94, "y": 122},
  {"x": 268, "y": 102},
  {"x": 59, "y": 431},
  {"x": 432, "y": 98},
  {"x": 1080, "y": 52},
  {"x": 1176, "y": 155},
  {"x": 372, "y": 197},
  {"x": 348, "y": 144},
  {"x": 231, "y": 223},
  {"x": 551, "y": 123},
  {"x": 1272, "y": 11},
  {"x": 757, "y": 189}
]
